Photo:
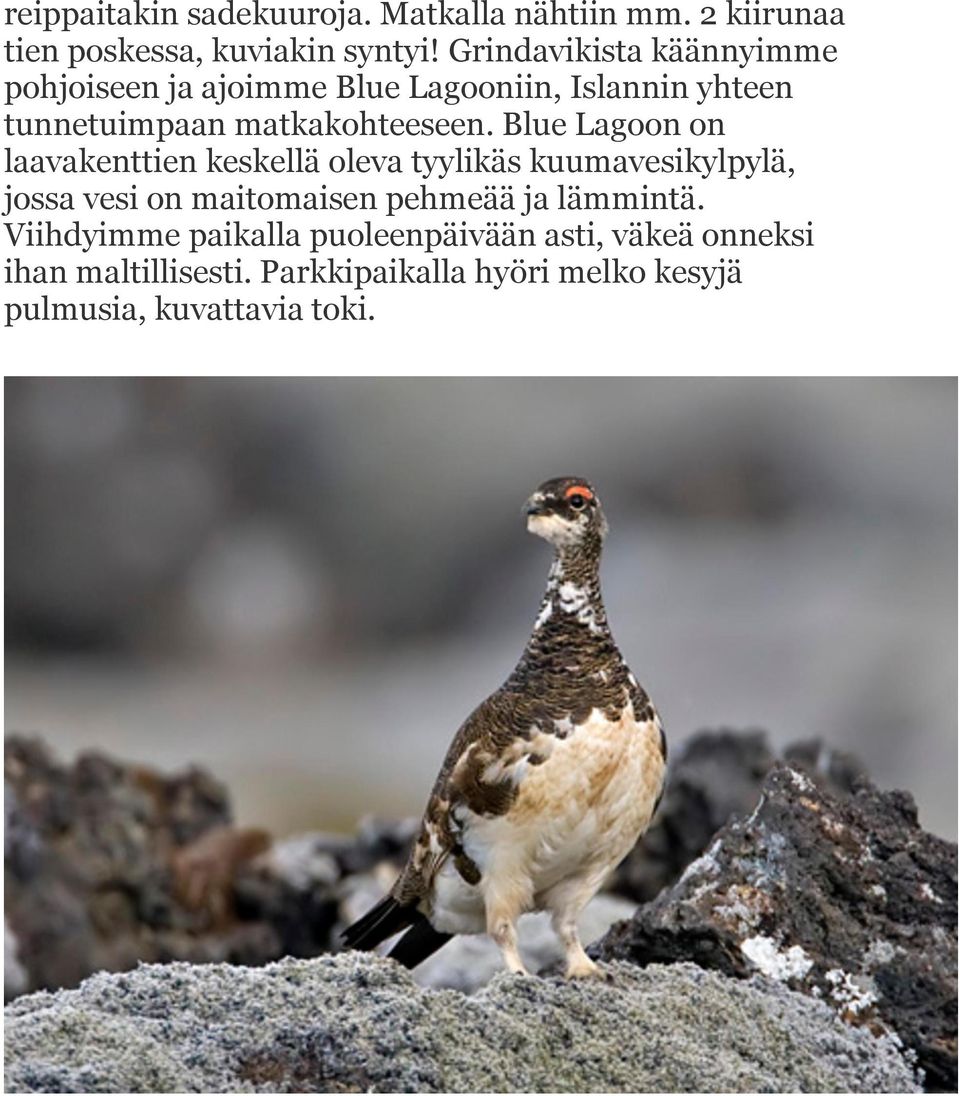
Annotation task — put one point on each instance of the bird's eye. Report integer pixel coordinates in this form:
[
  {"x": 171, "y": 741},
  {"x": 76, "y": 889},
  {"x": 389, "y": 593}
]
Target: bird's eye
[{"x": 577, "y": 502}]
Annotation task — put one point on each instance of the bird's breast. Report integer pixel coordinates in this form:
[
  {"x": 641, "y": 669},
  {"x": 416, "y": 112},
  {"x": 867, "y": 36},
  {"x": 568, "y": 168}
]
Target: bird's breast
[{"x": 582, "y": 807}]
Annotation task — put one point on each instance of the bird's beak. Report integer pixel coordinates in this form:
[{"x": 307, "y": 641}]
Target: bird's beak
[{"x": 535, "y": 506}]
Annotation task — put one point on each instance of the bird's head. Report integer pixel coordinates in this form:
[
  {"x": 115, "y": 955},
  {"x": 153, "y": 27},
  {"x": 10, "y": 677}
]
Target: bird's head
[{"x": 566, "y": 511}]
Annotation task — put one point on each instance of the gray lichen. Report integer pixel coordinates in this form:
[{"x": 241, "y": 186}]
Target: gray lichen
[{"x": 356, "y": 1022}]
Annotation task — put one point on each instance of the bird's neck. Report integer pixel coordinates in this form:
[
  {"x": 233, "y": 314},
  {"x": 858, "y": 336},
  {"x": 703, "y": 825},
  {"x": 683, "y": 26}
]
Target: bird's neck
[{"x": 572, "y": 600}]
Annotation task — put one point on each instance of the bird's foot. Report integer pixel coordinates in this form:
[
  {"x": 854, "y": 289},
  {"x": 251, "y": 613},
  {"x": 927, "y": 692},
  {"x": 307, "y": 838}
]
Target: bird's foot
[
  {"x": 514, "y": 965},
  {"x": 584, "y": 967}
]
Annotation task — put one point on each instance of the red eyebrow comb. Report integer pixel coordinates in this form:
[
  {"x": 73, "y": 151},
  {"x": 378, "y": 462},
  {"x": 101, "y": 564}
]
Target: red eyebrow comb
[{"x": 577, "y": 490}]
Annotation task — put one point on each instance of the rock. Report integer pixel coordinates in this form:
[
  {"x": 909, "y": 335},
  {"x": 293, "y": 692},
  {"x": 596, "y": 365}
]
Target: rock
[
  {"x": 831, "y": 769},
  {"x": 716, "y": 776},
  {"x": 109, "y": 864},
  {"x": 358, "y": 1023},
  {"x": 377, "y": 841},
  {"x": 842, "y": 897}
]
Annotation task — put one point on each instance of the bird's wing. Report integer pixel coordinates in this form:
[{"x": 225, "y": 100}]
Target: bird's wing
[{"x": 480, "y": 775}]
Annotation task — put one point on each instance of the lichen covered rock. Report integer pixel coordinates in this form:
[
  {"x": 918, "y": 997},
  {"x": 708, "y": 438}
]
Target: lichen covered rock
[
  {"x": 358, "y": 1023},
  {"x": 842, "y": 897}
]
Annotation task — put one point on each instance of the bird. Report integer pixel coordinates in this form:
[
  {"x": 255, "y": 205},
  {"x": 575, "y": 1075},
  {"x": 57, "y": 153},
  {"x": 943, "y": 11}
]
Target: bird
[{"x": 547, "y": 785}]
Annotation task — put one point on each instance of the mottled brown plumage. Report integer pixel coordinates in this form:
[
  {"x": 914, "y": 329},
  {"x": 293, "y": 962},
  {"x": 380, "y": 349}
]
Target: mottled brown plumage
[{"x": 570, "y": 742}]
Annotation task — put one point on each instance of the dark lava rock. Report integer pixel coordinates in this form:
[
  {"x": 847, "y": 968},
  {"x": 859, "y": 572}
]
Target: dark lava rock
[
  {"x": 840, "y": 896},
  {"x": 377, "y": 841},
  {"x": 109, "y": 864},
  {"x": 714, "y": 777}
]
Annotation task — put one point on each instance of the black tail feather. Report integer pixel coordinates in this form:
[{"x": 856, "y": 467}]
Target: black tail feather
[
  {"x": 386, "y": 919},
  {"x": 383, "y": 921},
  {"x": 421, "y": 941}
]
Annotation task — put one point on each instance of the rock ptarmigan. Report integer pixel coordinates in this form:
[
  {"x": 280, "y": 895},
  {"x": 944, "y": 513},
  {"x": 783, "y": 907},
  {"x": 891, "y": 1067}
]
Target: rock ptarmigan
[{"x": 550, "y": 781}]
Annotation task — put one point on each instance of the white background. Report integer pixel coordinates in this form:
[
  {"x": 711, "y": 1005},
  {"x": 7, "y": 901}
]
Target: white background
[{"x": 873, "y": 140}]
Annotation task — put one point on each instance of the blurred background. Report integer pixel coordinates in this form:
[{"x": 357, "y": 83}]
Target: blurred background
[{"x": 305, "y": 585}]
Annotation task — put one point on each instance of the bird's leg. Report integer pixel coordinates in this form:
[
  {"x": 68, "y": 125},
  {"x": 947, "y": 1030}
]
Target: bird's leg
[
  {"x": 565, "y": 901},
  {"x": 507, "y": 894},
  {"x": 504, "y": 933},
  {"x": 579, "y": 964},
  {"x": 502, "y": 926}
]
